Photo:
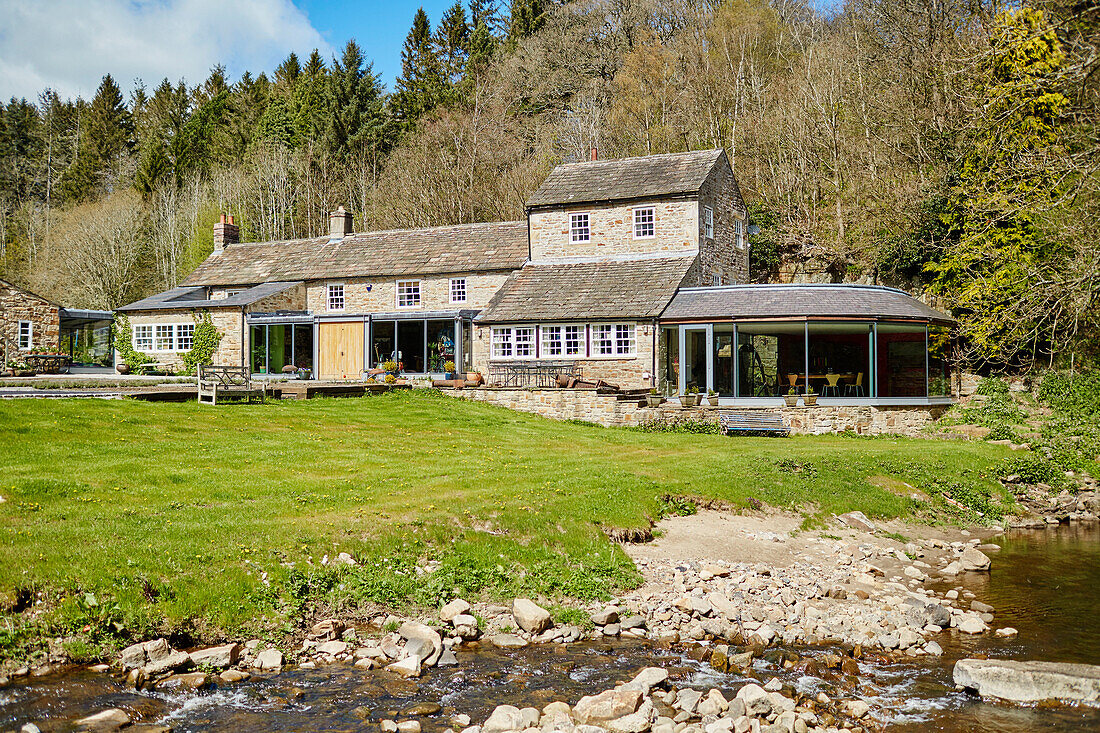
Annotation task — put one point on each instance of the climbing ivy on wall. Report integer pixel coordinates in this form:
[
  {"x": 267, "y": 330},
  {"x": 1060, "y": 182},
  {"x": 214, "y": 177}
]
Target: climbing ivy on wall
[
  {"x": 204, "y": 344},
  {"x": 124, "y": 343}
]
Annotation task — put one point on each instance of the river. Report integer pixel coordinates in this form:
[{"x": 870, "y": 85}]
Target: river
[{"x": 1043, "y": 583}]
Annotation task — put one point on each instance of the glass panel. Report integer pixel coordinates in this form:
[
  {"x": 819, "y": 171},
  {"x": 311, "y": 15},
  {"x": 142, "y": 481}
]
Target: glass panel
[
  {"x": 772, "y": 358},
  {"x": 441, "y": 345},
  {"x": 382, "y": 343},
  {"x": 695, "y": 360},
  {"x": 259, "y": 349},
  {"x": 303, "y": 346},
  {"x": 89, "y": 344},
  {"x": 468, "y": 345},
  {"x": 723, "y": 360},
  {"x": 939, "y": 361},
  {"x": 901, "y": 360},
  {"x": 410, "y": 346},
  {"x": 840, "y": 359},
  {"x": 671, "y": 338},
  {"x": 278, "y": 348}
]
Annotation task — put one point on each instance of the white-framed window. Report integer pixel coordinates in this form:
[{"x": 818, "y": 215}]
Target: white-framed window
[
  {"x": 143, "y": 338},
  {"x": 708, "y": 222},
  {"x": 739, "y": 233},
  {"x": 563, "y": 340},
  {"x": 165, "y": 337},
  {"x": 718, "y": 280},
  {"x": 26, "y": 335},
  {"x": 458, "y": 290},
  {"x": 335, "y": 300},
  {"x": 513, "y": 342},
  {"x": 231, "y": 293},
  {"x": 185, "y": 336},
  {"x": 579, "y": 229},
  {"x": 613, "y": 339},
  {"x": 644, "y": 222},
  {"x": 408, "y": 293}
]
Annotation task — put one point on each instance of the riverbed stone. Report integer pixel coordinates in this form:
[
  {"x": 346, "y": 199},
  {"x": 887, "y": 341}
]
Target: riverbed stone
[
  {"x": 530, "y": 616},
  {"x": 332, "y": 648},
  {"x": 111, "y": 719},
  {"x": 455, "y": 608},
  {"x": 429, "y": 643},
  {"x": 971, "y": 625},
  {"x": 609, "y": 615},
  {"x": 407, "y": 667},
  {"x": 173, "y": 661},
  {"x": 507, "y": 641},
  {"x": 609, "y": 705},
  {"x": 503, "y": 718},
  {"x": 408, "y": 726},
  {"x": 1029, "y": 681},
  {"x": 465, "y": 626},
  {"x": 688, "y": 699},
  {"x": 186, "y": 681},
  {"x": 233, "y": 676},
  {"x": 973, "y": 559},
  {"x": 269, "y": 659},
  {"x": 327, "y": 630},
  {"x": 757, "y": 701},
  {"x": 216, "y": 657},
  {"x": 647, "y": 679}
]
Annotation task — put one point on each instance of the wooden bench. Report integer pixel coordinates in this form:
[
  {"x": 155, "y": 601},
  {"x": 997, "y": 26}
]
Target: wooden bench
[
  {"x": 153, "y": 367},
  {"x": 236, "y": 382},
  {"x": 767, "y": 423}
]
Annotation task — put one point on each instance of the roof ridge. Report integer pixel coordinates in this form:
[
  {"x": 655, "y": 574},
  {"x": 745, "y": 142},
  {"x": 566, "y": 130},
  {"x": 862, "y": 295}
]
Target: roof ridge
[
  {"x": 407, "y": 230},
  {"x": 632, "y": 158}
]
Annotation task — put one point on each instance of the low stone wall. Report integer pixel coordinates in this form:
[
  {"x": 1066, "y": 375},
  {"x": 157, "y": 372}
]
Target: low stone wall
[{"x": 609, "y": 410}]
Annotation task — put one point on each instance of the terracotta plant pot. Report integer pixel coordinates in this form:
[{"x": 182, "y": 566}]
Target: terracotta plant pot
[
  {"x": 687, "y": 400},
  {"x": 654, "y": 400},
  {"x": 791, "y": 400},
  {"x": 809, "y": 400},
  {"x": 123, "y": 368},
  {"x": 713, "y": 400}
]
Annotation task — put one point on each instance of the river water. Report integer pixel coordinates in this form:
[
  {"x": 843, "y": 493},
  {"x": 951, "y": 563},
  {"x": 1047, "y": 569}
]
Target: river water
[{"x": 1043, "y": 583}]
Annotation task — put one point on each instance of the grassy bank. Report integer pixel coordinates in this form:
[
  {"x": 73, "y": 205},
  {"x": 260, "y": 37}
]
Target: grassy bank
[{"x": 132, "y": 517}]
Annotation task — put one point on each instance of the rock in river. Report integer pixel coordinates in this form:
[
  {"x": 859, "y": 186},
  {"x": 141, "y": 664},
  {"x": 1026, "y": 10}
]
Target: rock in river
[
  {"x": 1029, "y": 681},
  {"x": 529, "y": 616},
  {"x": 974, "y": 559}
]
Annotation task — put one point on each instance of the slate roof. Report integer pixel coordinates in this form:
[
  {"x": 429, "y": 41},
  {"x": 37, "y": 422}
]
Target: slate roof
[
  {"x": 799, "y": 301},
  {"x": 627, "y": 178},
  {"x": 588, "y": 290},
  {"x": 195, "y": 297},
  {"x": 463, "y": 248}
]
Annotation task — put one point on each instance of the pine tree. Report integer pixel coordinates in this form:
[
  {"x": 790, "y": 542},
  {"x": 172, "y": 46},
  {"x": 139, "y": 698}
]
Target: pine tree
[
  {"x": 526, "y": 17},
  {"x": 420, "y": 86},
  {"x": 355, "y": 104},
  {"x": 310, "y": 108},
  {"x": 452, "y": 42},
  {"x": 276, "y": 124},
  {"x": 287, "y": 73},
  {"x": 106, "y": 138}
]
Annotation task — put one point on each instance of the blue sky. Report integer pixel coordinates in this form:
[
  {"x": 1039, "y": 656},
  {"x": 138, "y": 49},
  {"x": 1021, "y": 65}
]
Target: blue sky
[{"x": 149, "y": 40}]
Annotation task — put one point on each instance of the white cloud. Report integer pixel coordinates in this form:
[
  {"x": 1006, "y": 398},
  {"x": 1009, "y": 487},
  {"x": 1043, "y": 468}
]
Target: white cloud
[{"x": 69, "y": 45}]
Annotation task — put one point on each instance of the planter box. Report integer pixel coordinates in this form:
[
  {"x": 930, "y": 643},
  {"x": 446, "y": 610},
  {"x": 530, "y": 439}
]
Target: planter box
[
  {"x": 654, "y": 400},
  {"x": 791, "y": 400},
  {"x": 809, "y": 400}
]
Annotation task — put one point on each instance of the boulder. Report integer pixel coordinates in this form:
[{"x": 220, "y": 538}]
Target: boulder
[
  {"x": 428, "y": 643},
  {"x": 857, "y": 520},
  {"x": 112, "y": 719},
  {"x": 216, "y": 657},
  {"x": 332, "y": 648},
  {"x": 407, "y": 667},
  {"x": 609, "y": 705},
  {"x": 455, "y": 608},
  {"x": 269, "y": 659},
  {"x": 408, "y": 726},
  {"x": 636, "y": 722},
  {"x": 647, "y": 679},
  {"x": 857, "y": 708},
  {"x": 503, "y": 718},
  {"x": 973, "y": 559},
  {"x": 233, "y": 676},
  {"x": 173, "y": 661},
  {"x": 688, "y": 699},
  {"x": 609, "y": 615},
  {"x": 757, "y": 701},
  {"x": 971, "y": 625},
  {"x": 327, "y": 630},
  {"x": 507, "y": 641},
  {"x": 188, "y": 681},
  {"x": 465, "y": 626},
  {"x": 529, "y": 616},
  {"x": 1028, "y": 682}
]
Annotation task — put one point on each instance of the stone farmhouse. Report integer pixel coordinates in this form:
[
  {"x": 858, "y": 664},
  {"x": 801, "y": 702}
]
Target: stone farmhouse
[
  {"x": 30, "y": 322},
  {"x": 631, "y": 271}
]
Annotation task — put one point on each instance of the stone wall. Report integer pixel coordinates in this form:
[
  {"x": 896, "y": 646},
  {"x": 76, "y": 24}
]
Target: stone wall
[
  {"x": 720, "y": 256},
  {"x": 18, "y": 305},
  {"x": 228, "y": 321},
  {"x": 608, "y": 410},
  {"x": 676, "y": 228},
  {"x": 381, "y": 297},
  {"x": 629, "y": 373}
]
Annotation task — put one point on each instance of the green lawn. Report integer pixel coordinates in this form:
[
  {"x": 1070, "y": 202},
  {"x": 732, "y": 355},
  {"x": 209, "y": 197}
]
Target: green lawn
[{"x": 133, "y": 516}]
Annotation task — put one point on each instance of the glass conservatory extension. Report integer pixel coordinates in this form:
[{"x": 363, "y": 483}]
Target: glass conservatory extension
[{"x": 753, "y": 344}]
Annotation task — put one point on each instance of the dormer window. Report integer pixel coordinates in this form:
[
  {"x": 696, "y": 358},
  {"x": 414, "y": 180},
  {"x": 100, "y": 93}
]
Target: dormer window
[
  {"x": 708, "y": 222},
  {"x": 644, "y": 223},
  {"x": 579, "y": 230}
]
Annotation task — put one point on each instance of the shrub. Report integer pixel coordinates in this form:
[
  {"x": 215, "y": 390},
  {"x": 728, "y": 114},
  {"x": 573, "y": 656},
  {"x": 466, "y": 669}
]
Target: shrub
[
  {"x": 991, "y": 386},
  {"x": 1032, "y": 469},
  {"x": 1002, "y": 432},
  {"x": 693, "y": 425}
]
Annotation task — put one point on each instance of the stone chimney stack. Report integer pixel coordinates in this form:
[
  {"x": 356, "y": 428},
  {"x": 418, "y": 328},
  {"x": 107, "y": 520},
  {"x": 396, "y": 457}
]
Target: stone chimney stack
[
  {"x": 225, "y": 233},
  {"x": 339, "y": 224}
]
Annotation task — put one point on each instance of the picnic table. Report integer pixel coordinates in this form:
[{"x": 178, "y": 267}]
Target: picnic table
[
  {"x": 533, "y": 373},
  {"x": 49, "y": 363}
]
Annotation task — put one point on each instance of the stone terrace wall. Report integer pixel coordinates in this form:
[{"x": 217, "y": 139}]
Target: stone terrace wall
[{"x": 609, "y": 411}]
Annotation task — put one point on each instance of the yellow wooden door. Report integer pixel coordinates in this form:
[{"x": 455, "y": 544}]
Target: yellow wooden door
[{"x": 341, "y": 350}]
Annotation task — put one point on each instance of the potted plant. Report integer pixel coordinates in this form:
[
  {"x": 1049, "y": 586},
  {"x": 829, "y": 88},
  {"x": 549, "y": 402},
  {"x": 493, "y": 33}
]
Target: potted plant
[
  {"x": 449, "y": 369},
  {"x": 687, "y": 399},
  {"x": 653, "y": 399},
  {"x": 391, "y": 379},
  {"x": 810, "y": 398},
  {"x": 712, "y": 397},
  {"x": 791, "y": 398},
  {"x": 391, "y": 369}
]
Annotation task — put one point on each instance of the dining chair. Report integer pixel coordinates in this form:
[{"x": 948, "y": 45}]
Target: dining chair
[
  {"x": 855, "y": 389},
  {"x": 832, "y": 386},
  {"x": 793, "y": 379}
]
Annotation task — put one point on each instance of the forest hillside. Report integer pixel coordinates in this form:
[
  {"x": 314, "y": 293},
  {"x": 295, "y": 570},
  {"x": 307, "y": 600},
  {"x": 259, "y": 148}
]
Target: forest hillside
[{"x": 949, "y": 147}]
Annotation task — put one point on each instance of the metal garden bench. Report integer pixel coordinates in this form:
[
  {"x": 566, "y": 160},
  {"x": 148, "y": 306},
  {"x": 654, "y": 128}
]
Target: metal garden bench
[
  {"x": 220, "y": 381},
  {"x": 767, "y": 423}
]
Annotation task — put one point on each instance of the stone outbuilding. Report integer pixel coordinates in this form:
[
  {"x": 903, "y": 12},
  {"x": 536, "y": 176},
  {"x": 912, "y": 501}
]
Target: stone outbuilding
[{"x": 27, "y": 322}]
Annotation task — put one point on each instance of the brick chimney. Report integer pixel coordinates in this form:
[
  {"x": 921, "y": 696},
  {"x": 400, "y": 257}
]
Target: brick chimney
[
  {"x": 595, "y": 153},
  {"x": 339, "y": 224},
  {"x": 225, "y": 233}
]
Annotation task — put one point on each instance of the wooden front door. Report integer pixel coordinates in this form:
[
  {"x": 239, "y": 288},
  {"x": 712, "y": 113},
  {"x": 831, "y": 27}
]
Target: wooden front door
[{"x": 341, "y": 350}]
